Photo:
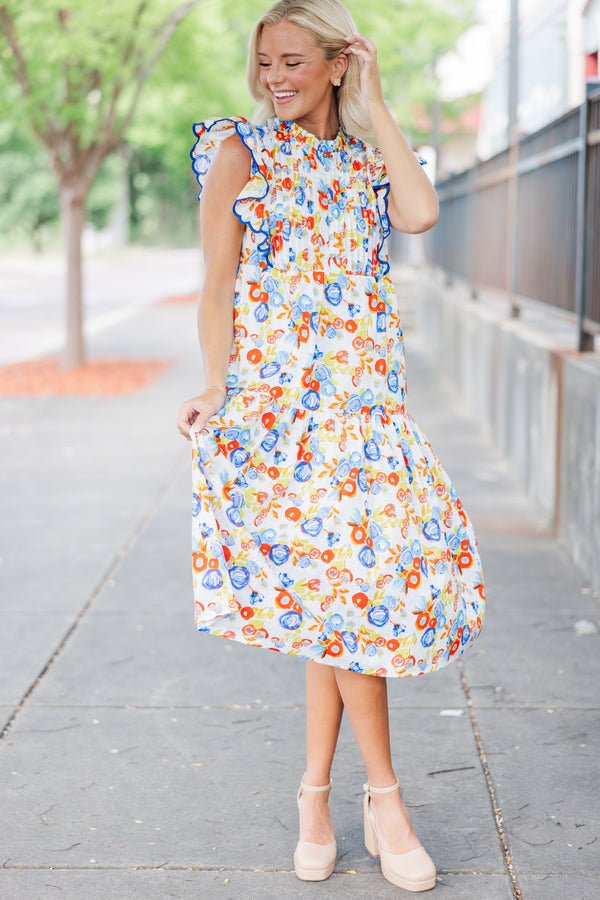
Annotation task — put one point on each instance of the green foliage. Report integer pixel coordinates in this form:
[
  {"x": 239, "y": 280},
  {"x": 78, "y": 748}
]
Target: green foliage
[
  {"x": 104, "y": 193},
  {"x": 80, "y": 60},
  {"x": 29, "y": 201},
  {"x": 28, "y": 196},
  {"x": 410, "y": 37}
]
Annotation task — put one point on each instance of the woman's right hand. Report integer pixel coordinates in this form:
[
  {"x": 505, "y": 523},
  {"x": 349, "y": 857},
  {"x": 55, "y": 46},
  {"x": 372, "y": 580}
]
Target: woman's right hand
[{"x": 198, "y": 410}]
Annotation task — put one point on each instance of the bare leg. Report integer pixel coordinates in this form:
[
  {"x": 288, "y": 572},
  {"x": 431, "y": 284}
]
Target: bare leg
[
  {"x": 324, "y": 710},
  {"x": 366, "y": 702}
]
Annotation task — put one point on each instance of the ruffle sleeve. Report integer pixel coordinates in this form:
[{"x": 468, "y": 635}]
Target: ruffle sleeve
[
  {"x": 249, "y": 205},
  {"x": 379, "y": 178}
]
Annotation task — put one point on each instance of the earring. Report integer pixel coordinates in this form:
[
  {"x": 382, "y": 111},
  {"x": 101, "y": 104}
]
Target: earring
[{"x": 336, "y": 82}]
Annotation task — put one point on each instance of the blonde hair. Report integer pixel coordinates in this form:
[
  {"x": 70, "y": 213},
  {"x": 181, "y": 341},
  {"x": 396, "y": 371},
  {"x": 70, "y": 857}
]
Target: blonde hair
[{"x": 330, "y": 23}]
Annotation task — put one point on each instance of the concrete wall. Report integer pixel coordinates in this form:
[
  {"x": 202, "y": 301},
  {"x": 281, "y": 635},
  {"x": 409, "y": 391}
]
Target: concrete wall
[
  {"x": 526, "y": 416},
  {"x": 537, "y": 397},
  {"x": 579, "y": 506},
  {"x": 462, "y": 336}
]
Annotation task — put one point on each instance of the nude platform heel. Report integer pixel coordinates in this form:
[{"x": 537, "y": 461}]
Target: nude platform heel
[
  {"x": 314, "y": 862},
  {"x": 413, "y": 870}
]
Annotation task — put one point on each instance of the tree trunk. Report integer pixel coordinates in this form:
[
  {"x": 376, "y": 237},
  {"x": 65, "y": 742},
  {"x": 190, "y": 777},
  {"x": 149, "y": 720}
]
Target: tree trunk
[{"x": 72, "y": 196}]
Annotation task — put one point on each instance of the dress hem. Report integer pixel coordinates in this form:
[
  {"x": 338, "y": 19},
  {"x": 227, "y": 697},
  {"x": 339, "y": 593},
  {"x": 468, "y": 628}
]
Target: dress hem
[{"x": 332, "y": 661}]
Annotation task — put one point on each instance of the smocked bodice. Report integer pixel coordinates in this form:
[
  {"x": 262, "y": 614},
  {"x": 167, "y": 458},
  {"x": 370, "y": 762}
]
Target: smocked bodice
[{"x": 310, "y": 204}]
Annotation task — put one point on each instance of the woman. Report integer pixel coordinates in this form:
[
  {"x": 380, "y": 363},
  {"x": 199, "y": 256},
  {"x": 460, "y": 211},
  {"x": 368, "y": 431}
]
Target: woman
[{"x": 324, "y": 526}]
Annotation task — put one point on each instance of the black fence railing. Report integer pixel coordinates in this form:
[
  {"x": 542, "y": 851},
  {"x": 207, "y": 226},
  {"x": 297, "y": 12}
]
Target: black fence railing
[{"x": 527, "y": 222}]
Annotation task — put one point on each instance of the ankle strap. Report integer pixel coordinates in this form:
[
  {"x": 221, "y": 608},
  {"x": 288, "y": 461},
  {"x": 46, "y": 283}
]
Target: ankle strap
[
  {"x": 311, "y": 787},
  {"x": 383, "y": 790}
]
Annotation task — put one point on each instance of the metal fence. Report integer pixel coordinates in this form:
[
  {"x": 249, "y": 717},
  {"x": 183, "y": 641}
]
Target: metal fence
[{"x": 527, "y": 221}]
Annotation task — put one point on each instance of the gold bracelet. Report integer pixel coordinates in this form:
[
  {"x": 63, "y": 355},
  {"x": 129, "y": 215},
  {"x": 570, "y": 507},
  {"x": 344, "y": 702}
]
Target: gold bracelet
[{"x": 218, "y": 387}]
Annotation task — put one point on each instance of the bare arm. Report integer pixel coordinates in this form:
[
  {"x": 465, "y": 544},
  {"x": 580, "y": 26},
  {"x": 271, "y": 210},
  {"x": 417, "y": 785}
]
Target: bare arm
[
  {"x": 221, "y": 244},
  {"x": 221, "y": 235},
  {"x": 412, "y": 201}
]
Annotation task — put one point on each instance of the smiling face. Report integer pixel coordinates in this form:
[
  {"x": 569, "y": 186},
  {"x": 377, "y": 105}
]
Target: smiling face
[{"x": 296, "y": 75}]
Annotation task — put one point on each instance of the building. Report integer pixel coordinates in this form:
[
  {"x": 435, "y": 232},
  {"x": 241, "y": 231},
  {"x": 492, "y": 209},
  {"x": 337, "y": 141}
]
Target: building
[{"x": 558, "y": 52}]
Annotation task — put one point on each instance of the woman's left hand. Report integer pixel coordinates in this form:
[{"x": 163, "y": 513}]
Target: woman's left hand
[{"x": 370, "y": 77}]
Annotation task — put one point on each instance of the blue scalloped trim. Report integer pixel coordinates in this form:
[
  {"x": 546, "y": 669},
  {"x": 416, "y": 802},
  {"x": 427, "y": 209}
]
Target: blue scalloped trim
[
  {"x": 385, "y": 225},
  {"x": 385, "y": 219},
  {"x": 243, "y": 129}
]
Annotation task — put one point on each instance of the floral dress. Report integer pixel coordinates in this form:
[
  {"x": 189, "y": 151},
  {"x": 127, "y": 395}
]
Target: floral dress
[{"x": 323, "y": 524}]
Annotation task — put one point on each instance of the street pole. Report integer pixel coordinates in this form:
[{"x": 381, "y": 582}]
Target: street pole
[
  {"x": 585, "y": 339},
  {"x": 512, "y": 237}
]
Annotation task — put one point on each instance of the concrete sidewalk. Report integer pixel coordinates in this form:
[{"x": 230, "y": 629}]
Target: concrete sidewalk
[{"x": 141, "y": 759}]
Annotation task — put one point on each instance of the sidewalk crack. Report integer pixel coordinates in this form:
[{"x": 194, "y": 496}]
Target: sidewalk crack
[{"x": 483, "y": 759}]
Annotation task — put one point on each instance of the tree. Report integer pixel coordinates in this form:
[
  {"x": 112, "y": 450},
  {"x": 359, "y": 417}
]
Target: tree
[{"x": 80, "y": 69}]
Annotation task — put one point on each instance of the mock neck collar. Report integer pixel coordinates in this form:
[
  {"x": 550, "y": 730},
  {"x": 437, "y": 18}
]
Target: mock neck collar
[{"x": 295, "y": 130}]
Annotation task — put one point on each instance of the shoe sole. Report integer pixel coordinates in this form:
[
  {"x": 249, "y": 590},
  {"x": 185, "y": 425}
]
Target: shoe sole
[
  {"x": 414, "y": 886},
  {"x": 313, "y": 874},
  {"x": 424, "y": 885}
]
